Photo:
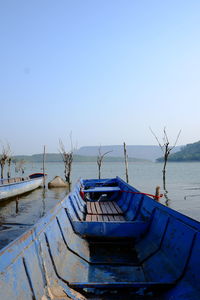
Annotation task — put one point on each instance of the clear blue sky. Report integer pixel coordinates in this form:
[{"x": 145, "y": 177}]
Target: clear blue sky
[{"x": 104, "y": 69}]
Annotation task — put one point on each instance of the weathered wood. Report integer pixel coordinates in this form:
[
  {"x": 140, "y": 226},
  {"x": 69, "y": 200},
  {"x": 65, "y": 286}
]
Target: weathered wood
[
  {"x": 106, "y": 211},
  {"x": 93, "y": 208},
  {"x": 126, "y": 162},
  {"x": 112, "y": 208},
  {"x": 157, "y": 193},
  {"x": 103, "y": 208},
  {"x": 117, "y": 208},
  {"x": 88, "y": 218},
  {"x": 103, "y": 212},
  {"x": 94, "y": 218},
  {"x": 100, "y": 160},
  {"x": 100, "y": 218},
  {"x": 43, "y": 166},
  {"x": 67, "y": 158},
  {"x": 166, "y": 149},
  {"x": 107, "y": 207},
  {"x": 105, "y": 218},
  {"x": 98, "y": 208},
  {"x": 89, "y": 210}
]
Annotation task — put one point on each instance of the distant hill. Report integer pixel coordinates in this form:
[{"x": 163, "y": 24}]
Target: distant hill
[
  {"x": 89, "y": 154},
  {"x": 190, "y": 152},
  {"x": 56, "y": 157},
  {"x": 137, "y": 151}
]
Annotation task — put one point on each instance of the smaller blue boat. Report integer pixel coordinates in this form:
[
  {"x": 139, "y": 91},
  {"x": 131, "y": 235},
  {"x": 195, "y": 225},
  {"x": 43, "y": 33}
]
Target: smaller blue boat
[
  {"x": 105, "y": 240},
  {"x": 19, "y": 185}
]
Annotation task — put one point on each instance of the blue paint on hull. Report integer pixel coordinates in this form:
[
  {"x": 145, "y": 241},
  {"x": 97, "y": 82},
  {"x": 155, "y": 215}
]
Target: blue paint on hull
[
  {"x": 56, "y": 258},
  {"x": 11, "y": 188}
]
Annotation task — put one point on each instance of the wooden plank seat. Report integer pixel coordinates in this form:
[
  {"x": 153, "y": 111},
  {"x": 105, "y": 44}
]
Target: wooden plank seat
[
  {"x": 103, "y": 212},
  {"x": 103, "y": 208},
  {"x": 104, "y": 218}
]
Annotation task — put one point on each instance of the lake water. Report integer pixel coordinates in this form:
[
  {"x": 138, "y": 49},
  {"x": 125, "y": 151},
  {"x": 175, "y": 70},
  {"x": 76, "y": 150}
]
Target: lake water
[{"x": 182, "y": 182}]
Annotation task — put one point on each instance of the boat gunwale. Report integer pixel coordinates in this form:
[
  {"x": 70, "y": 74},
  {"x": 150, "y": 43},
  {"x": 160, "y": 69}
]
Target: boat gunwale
[
  {"x": 30, "y": 235},
  {"x": 172, "y": 212},
  {"x": 19, "y": 182}
]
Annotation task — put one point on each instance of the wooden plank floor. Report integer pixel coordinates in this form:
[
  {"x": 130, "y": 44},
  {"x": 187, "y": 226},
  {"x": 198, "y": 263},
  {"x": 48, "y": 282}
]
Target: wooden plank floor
[
  {"x": 104, "y": 218},
  {"x": 104, "y": 212},
  {"x": 103, "y": 208}
]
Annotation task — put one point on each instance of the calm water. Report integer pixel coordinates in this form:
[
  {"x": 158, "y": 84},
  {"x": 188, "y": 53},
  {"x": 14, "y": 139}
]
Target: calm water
[
  {"x": 183, "y": 180},
  {"x": 183, "y": 185}
]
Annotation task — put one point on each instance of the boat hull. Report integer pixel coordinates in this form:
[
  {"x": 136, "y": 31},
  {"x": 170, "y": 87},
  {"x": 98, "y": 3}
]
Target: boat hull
[
  {"x": 52, "y": 261},
  {"x": 17, "y": 188}
]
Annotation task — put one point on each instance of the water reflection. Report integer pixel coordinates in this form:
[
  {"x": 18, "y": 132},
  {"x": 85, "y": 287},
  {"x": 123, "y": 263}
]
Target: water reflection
[
  {"x": 56, "y": 192},
  {"x": 167, "y": 199},
  {"x": 165, "y": 194},
  {"x": 190, "y": 196},
  {"x": 19, "y": 213},
  {"x": 43, "y": 202},
  {"x": 17, "y": 205}
]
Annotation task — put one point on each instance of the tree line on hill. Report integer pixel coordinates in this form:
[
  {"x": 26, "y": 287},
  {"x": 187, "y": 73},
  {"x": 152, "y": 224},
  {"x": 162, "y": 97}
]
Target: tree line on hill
[{"x": 190, "y": 152}]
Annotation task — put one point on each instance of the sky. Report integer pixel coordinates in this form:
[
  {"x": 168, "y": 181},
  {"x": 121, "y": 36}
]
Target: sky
[{"x": 103, "y": 70}]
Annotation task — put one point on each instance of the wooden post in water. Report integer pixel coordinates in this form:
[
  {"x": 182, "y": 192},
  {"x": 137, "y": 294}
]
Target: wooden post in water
[
  {"x": 157, "y": 194},
  {"x": 126, "y": 162},
  {"x": 43, "y": 167}
]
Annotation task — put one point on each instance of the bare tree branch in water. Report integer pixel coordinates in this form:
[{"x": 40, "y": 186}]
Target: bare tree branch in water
[
  {"x": 20, "y": 166},
  {"x": 9, "y": 161},
  {"x": 67, "y": 157},
  {"x": 166, "y": 149},
  {"x": 100, "y": 158},
  {"x": 9, "y": 165},
  {"x": 5, "y": 154}
]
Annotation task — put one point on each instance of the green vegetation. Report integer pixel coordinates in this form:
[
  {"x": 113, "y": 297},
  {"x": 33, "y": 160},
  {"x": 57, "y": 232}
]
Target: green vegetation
[
  {"x": 190, "y": 152},
  {"x": 55, "y": 157}
]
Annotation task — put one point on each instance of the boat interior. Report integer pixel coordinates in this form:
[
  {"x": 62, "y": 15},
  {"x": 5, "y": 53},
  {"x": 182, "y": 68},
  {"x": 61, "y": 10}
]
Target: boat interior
[{"x": 111, "y": 243}]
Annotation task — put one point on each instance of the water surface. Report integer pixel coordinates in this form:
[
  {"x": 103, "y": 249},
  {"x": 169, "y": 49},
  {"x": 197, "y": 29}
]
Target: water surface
[{"x": 182, "y": 182}]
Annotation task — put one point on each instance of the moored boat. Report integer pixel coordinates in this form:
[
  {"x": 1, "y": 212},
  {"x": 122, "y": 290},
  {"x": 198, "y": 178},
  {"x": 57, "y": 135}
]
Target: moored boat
[
  {"x": 19, "y": 185},
  {"x": 105, "y": 240}
]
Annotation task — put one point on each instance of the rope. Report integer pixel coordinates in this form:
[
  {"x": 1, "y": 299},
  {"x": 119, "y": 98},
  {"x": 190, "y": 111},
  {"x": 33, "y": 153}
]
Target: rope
[{"x": 146, "y": 194}]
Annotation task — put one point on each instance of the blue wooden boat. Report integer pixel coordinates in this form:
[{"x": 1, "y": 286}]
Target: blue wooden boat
[
  {"x": 19, "y": 185},
  {"x": 105, "y": 240}
]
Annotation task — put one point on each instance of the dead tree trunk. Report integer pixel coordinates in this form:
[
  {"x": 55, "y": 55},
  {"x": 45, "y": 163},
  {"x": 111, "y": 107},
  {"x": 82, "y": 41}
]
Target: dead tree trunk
[
  {"x": 2, "y": 164},
  {"x": 126, "y": 162},
  {"x": 3, "y": 158},
  {"x": 43, "y": 166},
  {"x": 100, "y": 161},
  {"x": 67, "y": 158},
  {"x": 9, "y": 165},
  {"x": 166, "y": 149}
]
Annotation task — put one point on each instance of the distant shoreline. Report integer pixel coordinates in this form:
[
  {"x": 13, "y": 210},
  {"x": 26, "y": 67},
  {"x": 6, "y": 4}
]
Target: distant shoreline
[{"x": 56, "y": 157}]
